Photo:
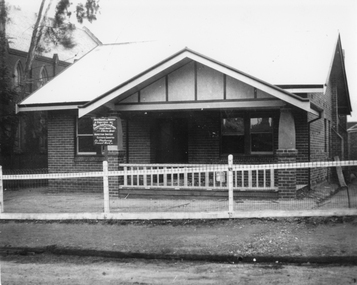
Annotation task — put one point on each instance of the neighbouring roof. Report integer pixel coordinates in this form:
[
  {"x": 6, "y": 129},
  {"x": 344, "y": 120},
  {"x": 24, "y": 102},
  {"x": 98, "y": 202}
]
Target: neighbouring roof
[
  {"x": 352, "y": 127},
  {"x": 278, "y": 62},
  {"x": 19, "y": 31}
]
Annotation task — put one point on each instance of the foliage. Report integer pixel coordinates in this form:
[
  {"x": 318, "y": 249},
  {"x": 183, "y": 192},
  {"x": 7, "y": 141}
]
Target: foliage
[
  {"x": 88, "y": 11},
  {"x": 8, "y": 97},
  {"x": 59, "y": 30},
  {"x": 45, "y": 32}
]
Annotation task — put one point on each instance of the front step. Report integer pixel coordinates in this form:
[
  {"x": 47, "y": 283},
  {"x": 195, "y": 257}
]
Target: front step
[{"x": 196, "y": 194}]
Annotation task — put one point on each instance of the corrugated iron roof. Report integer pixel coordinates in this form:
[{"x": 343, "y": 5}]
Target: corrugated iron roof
[{"x": 277, "y": 62}]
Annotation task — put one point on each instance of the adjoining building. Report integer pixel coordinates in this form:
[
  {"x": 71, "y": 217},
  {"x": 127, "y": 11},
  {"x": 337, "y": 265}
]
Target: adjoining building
[{"x": 30, "y": 150}]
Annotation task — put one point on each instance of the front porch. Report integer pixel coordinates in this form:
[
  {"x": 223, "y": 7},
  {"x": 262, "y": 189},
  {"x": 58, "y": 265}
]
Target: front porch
[{"x": 179, "y": 122}]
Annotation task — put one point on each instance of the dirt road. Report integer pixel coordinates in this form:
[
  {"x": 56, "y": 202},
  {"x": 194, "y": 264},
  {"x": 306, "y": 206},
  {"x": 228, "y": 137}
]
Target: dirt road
[
  {"x": 50, "y": 269},
  {"x": 310, "y": 237},
  {"x": 306, "y": 239}
]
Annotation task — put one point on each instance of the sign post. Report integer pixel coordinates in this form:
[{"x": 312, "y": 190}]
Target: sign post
[{"x": 105, "y": 133}]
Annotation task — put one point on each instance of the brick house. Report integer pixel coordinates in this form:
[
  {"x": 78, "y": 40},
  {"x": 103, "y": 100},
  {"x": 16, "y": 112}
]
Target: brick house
[
  {"x": 30, "y": 150},
  {"x": 183, "y": 105}
]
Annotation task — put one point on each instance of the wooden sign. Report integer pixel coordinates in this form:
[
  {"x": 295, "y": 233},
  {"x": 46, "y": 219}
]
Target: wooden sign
[{"x": 105, "y": 131}]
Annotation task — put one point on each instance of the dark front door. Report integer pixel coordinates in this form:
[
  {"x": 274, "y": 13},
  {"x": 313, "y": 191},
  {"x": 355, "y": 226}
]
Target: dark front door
[{"x": 170, "y": 141}]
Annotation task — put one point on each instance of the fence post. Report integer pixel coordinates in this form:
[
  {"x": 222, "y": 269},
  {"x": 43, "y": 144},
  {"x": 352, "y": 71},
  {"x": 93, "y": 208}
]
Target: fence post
[
  {"x": 230, "y": 185},
  {"x": 1, "y": 192},
  {"x": 106, "y": 186}
]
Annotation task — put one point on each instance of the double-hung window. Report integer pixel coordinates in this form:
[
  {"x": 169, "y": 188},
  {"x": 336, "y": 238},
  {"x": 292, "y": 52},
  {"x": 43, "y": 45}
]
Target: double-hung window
[
  {"x": 84, "y": 136},
  {"x": 233, "y": 135},
  {"x": 247, "y": 134},
  {"x": 261, "y": 135}
]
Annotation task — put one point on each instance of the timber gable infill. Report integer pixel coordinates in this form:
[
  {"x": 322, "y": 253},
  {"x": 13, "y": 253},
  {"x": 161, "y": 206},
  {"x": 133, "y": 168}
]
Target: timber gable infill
[{"x": 193, "y": 86}]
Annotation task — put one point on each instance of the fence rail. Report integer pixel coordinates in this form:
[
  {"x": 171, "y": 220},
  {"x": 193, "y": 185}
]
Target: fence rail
[
  {"x": 186, "y": 177},
  {"x": 195, "y": 168}
]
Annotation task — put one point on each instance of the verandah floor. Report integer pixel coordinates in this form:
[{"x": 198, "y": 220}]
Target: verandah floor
[{"x": 214, "y": 194}]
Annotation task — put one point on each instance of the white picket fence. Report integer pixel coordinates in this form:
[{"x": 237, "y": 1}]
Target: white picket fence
[
  {"x": 226, "y": 176},
  {"x": 194, "y": 176}
]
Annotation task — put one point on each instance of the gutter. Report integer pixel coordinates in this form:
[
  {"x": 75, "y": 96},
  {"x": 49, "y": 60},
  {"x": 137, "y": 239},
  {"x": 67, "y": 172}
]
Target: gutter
[{"x": 320, "y": 111}]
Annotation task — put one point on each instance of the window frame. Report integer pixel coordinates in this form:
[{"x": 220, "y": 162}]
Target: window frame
[
  {"x": 78, "y": 135},
  {"x": 43, "y": 77},
  {"x": 272, "y": 135},
  {"x": 247, "y": 116},
  {"x": 18, "y": 74},
  {"x": 244, "y": 135}
]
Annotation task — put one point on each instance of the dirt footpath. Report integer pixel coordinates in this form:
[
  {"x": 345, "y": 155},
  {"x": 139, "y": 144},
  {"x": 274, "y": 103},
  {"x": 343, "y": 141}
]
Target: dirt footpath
[
  {"x": 300, "y": 239},
  {"x": 248, "y": 251}
]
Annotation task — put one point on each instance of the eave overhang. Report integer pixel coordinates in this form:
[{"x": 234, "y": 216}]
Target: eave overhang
[
  {"x": 47, "y": 107},
  {"x": 301, "y": 88}
]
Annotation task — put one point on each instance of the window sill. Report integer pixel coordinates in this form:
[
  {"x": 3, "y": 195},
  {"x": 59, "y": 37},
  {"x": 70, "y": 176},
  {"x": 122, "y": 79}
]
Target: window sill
[
  {"x": 88, "y": 158},
  {"x": 267, "y": 154}
]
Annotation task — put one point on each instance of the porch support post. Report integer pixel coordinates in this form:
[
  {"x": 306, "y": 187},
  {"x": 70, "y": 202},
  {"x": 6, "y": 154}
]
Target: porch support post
[{"x": 287, "y": 153}]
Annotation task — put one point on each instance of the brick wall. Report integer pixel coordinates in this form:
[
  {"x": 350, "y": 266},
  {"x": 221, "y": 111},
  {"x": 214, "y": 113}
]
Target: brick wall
[
  {"x": 302, "y": 145},
  {"x": 287, "y": 178},
  {"x": 139, "y": 139},
  {"x": 322, "y": 141},
  {"x": 203, "y": 138},
  {"x": 352, "y": 142},
  {"x": 62, "y": 156}
]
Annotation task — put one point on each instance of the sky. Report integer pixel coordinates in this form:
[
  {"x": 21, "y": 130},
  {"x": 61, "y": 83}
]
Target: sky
[{"x": 226, "y": 21}]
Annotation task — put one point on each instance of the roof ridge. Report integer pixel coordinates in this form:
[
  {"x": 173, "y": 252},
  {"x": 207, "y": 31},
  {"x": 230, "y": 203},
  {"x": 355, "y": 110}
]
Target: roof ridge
[{"x": 127, "y": 43}]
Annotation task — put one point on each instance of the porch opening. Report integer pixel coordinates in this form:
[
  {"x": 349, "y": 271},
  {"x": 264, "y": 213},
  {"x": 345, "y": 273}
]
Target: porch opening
[{"x": 169, "y": 140}]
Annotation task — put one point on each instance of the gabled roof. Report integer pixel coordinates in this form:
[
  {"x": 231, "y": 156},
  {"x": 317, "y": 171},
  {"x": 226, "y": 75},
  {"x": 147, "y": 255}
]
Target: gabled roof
[
  {"x": 19, "y": 31},
  {"x": 181, "y": 57},
  {"x": 109, "y": 70},
  {"x": 337, "y": 72}
]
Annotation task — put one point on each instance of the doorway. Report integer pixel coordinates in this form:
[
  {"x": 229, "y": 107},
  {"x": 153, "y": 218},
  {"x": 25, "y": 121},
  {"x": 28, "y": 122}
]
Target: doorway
[{"x": 170, "y": 140}]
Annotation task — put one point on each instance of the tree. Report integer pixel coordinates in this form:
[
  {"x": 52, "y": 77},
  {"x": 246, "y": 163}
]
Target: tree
[
  {"x": 45, "y": 30},
  {"x": 8, "y": 95},
  {"x": 60, "y": 29}
]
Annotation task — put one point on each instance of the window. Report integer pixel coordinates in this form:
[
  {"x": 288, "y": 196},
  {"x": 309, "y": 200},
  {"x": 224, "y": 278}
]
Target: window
[
  {"x": 43, "y": 78},
  {"x": 261, "y": 134},
  {"x": 233, "y": 139},
  {"x": 17, "y": 77},
  {"x": 247, "y": 135},
  {"x": 327, "y": 135},
  {"x": 84, "y": 135}
]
